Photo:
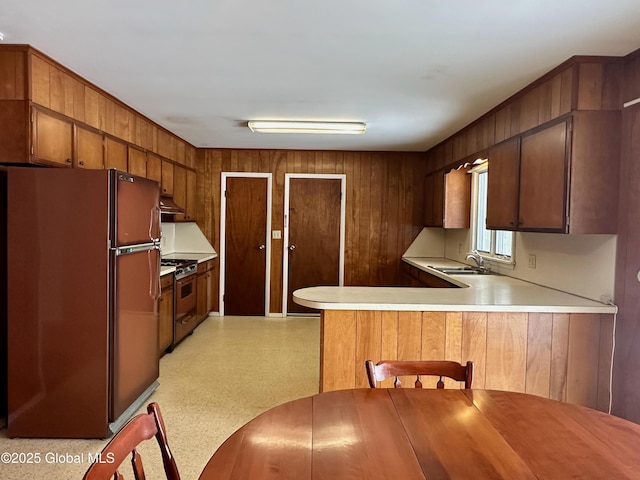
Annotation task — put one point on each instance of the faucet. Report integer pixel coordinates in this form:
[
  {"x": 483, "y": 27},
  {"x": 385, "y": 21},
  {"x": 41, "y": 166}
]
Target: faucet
[{"x": 475, "y": 255}]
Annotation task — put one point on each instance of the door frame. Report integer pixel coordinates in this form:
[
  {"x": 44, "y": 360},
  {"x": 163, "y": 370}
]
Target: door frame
[
  {"x": 285, "y": 244},
  {"x": 223, "y": 233}
]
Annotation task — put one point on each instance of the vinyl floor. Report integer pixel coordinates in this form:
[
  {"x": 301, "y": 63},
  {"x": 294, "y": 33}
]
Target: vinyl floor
[{"x": 229, "y": 371}]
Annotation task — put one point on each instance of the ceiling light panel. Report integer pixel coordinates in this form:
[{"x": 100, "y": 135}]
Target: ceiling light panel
[{"x": 290, "y": 126}]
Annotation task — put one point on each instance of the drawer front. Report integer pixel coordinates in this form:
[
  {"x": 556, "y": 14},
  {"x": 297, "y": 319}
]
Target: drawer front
[
  {"x": 166, "y": 281},
  {"x": 184, "y": 326}
]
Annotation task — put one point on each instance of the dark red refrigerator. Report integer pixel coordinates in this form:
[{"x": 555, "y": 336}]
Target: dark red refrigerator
[{"x": 83, "y": 289}]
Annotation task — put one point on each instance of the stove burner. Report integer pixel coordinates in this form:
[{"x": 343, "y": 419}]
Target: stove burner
[
  {"x": 171, "y": 262},
  {"x": 184, "y": 268}
]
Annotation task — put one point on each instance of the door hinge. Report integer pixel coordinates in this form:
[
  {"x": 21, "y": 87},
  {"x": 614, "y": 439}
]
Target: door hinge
[
  {"x": 32, "y": 117},
  {"x": 32, "y": 150}
]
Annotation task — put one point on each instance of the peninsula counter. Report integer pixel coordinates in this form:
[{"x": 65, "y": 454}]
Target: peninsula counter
[{"x": 521, "y": 337}]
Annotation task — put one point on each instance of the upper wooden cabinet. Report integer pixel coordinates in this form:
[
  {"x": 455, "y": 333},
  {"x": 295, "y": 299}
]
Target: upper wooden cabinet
[
  {"x": 154, "y": 167},
  {"x": 503, "y": 185},
  {"x": 447, "y": 199},
  {"x": 137, "y": 162},
  {"x": 561, "y": 177},
  {"x": 51, "y": 139},
  {"x": 543, "y": 178},
  {"x": 69, "y": 114},
  {"x": 167, "y": 178},
  {"x": 457, "y": 199},
  {"x": 190, "y": 207},
  {"x": 115, "y": 154},
  {"x": 89, "y": 148}
]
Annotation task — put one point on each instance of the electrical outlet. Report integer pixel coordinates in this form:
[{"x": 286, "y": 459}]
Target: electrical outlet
[
  {"x": 276, "y": 234},
  {"x": 532, "y": 261}
]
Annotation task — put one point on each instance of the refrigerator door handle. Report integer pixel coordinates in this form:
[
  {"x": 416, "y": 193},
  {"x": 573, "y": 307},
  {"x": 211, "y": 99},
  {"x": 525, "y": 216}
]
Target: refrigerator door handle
[
  {"x": 143, "y": 247},
  {"x": 155, "y": 290},
  {"x": 153, "y": 224}
]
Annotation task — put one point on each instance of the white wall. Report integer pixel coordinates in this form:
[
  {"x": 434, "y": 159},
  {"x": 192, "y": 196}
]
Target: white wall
[{"x": 579, "y": 264}]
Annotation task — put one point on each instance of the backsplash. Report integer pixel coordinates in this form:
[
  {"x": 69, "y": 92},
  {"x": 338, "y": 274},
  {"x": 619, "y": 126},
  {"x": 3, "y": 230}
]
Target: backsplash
[{"x": 580, "y": 264}]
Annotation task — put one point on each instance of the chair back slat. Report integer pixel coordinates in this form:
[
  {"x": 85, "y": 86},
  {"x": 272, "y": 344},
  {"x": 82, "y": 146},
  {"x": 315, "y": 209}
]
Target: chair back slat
[{"x": 440, "y": 368}]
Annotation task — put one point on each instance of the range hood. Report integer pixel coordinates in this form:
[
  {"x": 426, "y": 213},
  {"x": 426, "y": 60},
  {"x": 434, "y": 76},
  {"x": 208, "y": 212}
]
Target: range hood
[{"x": 169, "y": 207}]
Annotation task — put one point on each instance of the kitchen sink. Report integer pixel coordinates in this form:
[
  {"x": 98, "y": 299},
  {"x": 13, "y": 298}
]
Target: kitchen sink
[{"x": 462, "y": 271}]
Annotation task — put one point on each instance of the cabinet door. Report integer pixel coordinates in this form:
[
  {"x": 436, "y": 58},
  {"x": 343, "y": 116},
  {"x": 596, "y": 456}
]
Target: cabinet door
[
  {"x": 434, "y": 199},
  {"x": 52, "y": 139},
  {"x": 543, "y": 179},
  {"x": 89, "y": 151},
  {"x": 179, "y": 189},
  {"x": 190, "y": 207},
  {"x": 154, "y": 167},
  {"x": 167, "y": 178},
  {"x": 503, "y": 183},
  {"x": 115, "y": 154},
  {"x": 137, "y": 162},
  {"x": 165, "y": 326},
  {"x": 457, "y": 199},
  {"x": 201, "y": 299}
]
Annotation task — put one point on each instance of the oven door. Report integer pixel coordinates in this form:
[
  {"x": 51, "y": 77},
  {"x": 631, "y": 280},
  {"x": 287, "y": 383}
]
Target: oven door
[{"x": 185, "y": 296}]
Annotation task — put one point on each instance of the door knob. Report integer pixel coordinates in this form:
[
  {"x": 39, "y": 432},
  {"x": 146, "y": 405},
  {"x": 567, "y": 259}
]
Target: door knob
[
  {"x": 261, "y": 247},
  {"x": 292, "y": 247}
]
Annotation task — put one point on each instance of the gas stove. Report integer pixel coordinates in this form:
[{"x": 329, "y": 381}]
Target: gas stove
[{"x": 184, "y": 268}]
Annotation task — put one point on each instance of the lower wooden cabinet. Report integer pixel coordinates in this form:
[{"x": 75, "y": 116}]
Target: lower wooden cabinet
[
  {"x": 165, "y": 326},
  {"x": 414, "y": 277},
  {"x": 204, "y": 291}
]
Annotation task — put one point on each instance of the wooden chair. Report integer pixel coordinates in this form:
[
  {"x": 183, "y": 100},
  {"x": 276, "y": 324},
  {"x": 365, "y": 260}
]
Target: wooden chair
[
  {"x": 395, "y": 368},
  {"x": 140, "y": 428}
]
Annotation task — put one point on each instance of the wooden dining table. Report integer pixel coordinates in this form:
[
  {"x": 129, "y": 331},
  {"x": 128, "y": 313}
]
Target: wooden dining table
[{"x": 403, "y": 434}]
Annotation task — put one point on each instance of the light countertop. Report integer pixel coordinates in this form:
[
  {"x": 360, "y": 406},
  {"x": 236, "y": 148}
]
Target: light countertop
[{"x": 477, "y": 293}]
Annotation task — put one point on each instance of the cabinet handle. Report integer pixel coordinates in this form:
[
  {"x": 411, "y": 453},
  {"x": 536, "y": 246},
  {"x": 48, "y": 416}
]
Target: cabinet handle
[
  {"x": 81, "y": 162},
  {"x": 68, "y": 160}
]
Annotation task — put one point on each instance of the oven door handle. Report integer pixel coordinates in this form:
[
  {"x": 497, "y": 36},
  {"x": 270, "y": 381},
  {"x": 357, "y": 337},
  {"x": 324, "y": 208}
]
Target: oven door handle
[{"x": 185, "y": 280}]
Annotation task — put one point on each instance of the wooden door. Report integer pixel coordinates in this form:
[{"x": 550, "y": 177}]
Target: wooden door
[
  {"x": 543, "y": 172},
  {"x": 89, "y": 151},
  {"x": 52, "y": 139},
  {"x": 245, "y": 246},
  {"x": 314, "y": 235},
  {"x": 503, "y": 184}
]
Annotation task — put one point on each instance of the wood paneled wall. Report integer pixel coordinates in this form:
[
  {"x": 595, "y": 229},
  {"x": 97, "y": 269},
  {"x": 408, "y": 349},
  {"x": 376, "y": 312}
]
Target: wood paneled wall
[
  {"x": 626, "y": 385},
  {"x": 561, "y": 356},
  {"x": 383, "y": 198}
]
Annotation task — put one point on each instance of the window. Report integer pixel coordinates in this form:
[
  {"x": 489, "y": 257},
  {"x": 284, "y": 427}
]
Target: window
[{"x": 495, "y": 244}]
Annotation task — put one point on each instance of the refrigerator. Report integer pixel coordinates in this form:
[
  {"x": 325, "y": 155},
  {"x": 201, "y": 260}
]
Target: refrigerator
[{"x": 82, "y": 300}]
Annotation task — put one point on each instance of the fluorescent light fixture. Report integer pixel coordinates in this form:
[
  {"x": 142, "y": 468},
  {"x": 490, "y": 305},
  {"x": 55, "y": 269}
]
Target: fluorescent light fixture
[{"x": 273, "y": 126}]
